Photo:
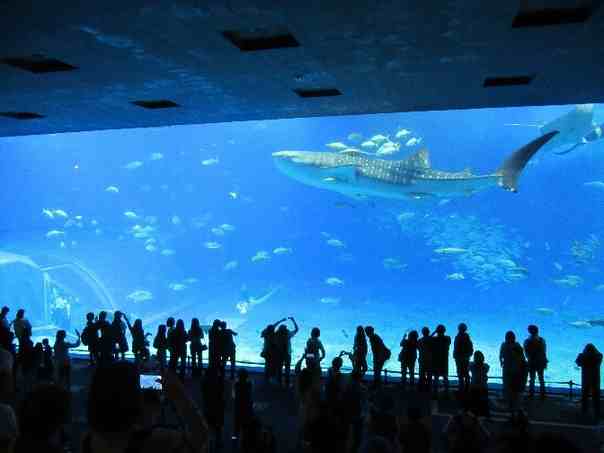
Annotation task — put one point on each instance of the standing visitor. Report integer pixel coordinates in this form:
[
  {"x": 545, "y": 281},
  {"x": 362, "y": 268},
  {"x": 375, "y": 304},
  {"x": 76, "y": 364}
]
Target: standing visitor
[
  {"x": 479, "y": 389},
  {"x": 106, "y": 340},
  {"x": 269, "y": 350},
  {"x": 196, "y": 347},
  {"x": 440, "y": 357},
  {"x": 118, "y": 328},
  {"x": 228, "y": 348},
  {"x": 424, "y": 348},
  {"x": 314, "y": 354},
  {"x": 243, "y": 410},
  {"x": 359, "y": 352},
  {"x": 214, "y": 344},
  {"x": 381, "y": 354},
  {"x": 535, "y": 350},
  {"x": 160, "y": 343},
  {"x": 90, "y": 338},
  {"x": 22, "y": 327},
  {"x": 462, "y": 352},
  {"x": 139, "y": 340},
  {"x": 590, "y": 361},
  {"x": 177, "y": 339},
  {"x": 408, "y": 357},
  {"x": 283, "y": 349},
  {"x": 513, "y": 366},
  {"x": 62, "y": 360}
]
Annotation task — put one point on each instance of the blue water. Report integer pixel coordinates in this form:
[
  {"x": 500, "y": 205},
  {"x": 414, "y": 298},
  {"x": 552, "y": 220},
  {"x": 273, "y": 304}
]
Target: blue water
[{"x": 534, "y": 229}]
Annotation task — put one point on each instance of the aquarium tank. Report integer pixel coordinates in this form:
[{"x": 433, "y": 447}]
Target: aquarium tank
[{"x": 398, "y": 221}]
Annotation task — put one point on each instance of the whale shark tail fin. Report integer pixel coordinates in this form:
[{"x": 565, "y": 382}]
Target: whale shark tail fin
[{"x": 512, "y": 168}]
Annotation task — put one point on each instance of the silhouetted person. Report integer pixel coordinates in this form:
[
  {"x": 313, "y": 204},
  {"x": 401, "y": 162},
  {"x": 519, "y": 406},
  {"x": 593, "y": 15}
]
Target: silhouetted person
[
  {"x": 106, "y": 340},
  {"x": 21, "y": 326},
  {"x": 46, "y": 371},
  {"x": 440, "y": 357},
  {"x": 269, "y": 350},
  {"x": 283, "y": 349},
  {"x": 214, "y": 344},
  {"x": 170, "y": 324},
  {"x": 177, "y": 339},
  {"x": 590, "y": 361},
  {"x": 62, "y": 360},
  {"x": 196, "y": 347},
  {"x": 27, "y": 362},
  {"x": 479, "y": 390},
  {"x": 380, "y": 354},
  {"x": 535, "y": 351},
  {"x": 212, "y": 389},
  {"x": 120, "y": 345},
  {"x": 415, "y": 434},
  {"x": 334, "y": 386},
  {"x": 314, "y": 353},
  {"x": 513, "y": 366},
  {"x": 228, "y": 349},
  {"x": 140, "y": 344},
  {"x": 462, "y": 352},
  {"x": 90, "y": 338},
  {"x": 408, "y": 357},
  {"x": 424, "y": 349},
  {"x": 243, "y": 410},
  {"x": 352, "y": 408},
  {"x": 5, "y": 333},
  {"x": 160, "y": 343},
  {"x": 359, "y": 352},
  {"x": 464, "y": 433}
]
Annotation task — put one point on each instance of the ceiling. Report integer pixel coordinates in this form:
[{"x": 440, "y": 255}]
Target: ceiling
[{"x": 75, "y": 66}]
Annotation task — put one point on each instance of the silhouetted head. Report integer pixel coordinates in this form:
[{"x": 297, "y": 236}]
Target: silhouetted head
[
  {"x": 425, "y": 331},
  {"x": 138, "y": 324},
  {"x": 161, "y": 329},
  {"x": 242, "y": 374},
  {"x": 195, "y": 323},
  {"x": 533, "y": 329},
  {"x": 510, "y": 337},
  {"x": 478, "y": 357},
  {"x": 413, "y": 335},
  {"x": 462, "y": 327},
  {"x": 440, "y": 329},
  {"x": 360, "y": 331},
  {"x": 117, "y": 316},
  {"x": 90, "y": 317},
  {"x": 315, "y": 332},
  {"x": 223, "y": 324},
  {"x": 114, "y": 399},
  {"x": 4, "y": 311},
  {"x": 216, "y": 324},
  {"x": 170, "y": 322},
  {"x": 102, "y": 316},
  {"x": 45, "y": 341},
  {"x": 369, "y": 330},
  {"x": 590, "y": 348},
  {"x": 337, "y": 363},
  {"x": 282, "y": 329},
  {"x": 61, "y": 334},
  {"x": 270, "y": 329},
  {"x": 20, "y": 313},
  {"x": 180, "y": 325}
]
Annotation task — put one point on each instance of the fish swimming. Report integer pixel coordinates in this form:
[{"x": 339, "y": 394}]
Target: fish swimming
[
  {"x": 596, "y": 134},
  {"x": 358, "y": 176}
]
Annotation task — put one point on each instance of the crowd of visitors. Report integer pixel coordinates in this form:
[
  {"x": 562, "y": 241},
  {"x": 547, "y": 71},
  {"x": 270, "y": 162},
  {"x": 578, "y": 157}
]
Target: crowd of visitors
[{"x": 337, "y": 411}]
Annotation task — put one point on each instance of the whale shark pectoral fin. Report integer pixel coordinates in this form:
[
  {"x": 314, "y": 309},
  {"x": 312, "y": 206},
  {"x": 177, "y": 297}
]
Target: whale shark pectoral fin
[
  {"x": 344, "y": 173},
  {"x": 510, "y": 171}
]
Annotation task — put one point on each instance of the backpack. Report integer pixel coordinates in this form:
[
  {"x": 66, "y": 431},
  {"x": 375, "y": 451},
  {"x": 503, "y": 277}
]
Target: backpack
[{"x": 84, "y": 336}]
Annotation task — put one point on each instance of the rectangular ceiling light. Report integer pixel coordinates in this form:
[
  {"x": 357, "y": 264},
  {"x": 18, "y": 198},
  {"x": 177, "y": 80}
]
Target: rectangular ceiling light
[
  {"x": 21, "y": 115},
  {"x": 491, "y": 82},
  {"x": 156, "y": 104},
  {"x": 261, "y": 39},
  {"x": 317, "y": 92},
  {"x": 38, "y": 64},
  {"x": 555, "y": 16}
]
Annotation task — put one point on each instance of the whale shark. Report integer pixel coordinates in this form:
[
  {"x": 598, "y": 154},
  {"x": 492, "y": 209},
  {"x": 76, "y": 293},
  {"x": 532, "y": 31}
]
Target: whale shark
[
  {"x": 356, "y": 175},
  {"x": 596, "y": 134}
]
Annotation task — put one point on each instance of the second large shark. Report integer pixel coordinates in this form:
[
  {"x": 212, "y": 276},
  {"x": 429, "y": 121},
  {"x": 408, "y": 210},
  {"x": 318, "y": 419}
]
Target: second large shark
[{"x": 355, "y": 174}]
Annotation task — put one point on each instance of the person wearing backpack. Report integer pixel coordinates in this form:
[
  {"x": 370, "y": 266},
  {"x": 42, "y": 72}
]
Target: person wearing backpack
[
  {"x": 381, "y": 354},
  {"x": 408, "y": 357},
  {"x": 90, "y": 338},
  {"x": 462, "y": 352},
  {"x": 535, "y": 351}
]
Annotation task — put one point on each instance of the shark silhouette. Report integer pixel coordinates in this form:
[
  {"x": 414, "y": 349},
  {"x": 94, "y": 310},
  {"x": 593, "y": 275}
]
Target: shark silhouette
[{"x": 354, "y": 174}]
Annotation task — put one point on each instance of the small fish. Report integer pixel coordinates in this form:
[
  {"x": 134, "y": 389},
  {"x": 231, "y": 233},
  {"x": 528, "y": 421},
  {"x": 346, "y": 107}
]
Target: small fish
[
  {"x": 334, "y": 281},
  {"x": 133, "y": 165},
  {"x": 54, "y": 234},
  {"x": 231, "y": 265},
  {"x": 456, "y": 276},
  {"x": 545, "y": 311},
  {"x": 140, "y": 295},
  {"x": 130, "y": 215},
  {"x": 177, "y": 286},
  {"x": 335, "y": 243},
  {"x": 345, "y": 333},
  {"x": 402, "y": 133},
  {"x": 217, "y": 231},
  {"x": 580, "y": 324},
  {"x": 413, "y": 141},
  {"x": 156, "y": 156},
  {"x": 261, "y": 255},
  {"x": 450, "y": 250},
  {"x": 379, "y": 138},
  {"x": 208, "y": 162},
  {"x": 336, "y": 146},
  {"x": 599, "y": 288},
  {"x": 227, "y": 227},
  {"x": 212, "y": 245},
  {"x": 329, "y": 300},
  {"x": 355, "y": 137},
  {"x": 282, "y": 250},
  {"x": 368, "y": 145},
  {"x": 176, "y": 220},
  {"x": 594, "y": 184},
  {"x": 233, "y": 195},
  {"x": 150, "y": 248},
  {"x": 191, "y": 280},
  {"x": 60, "y": 213},
  {"x": 167, "y": 252},
  {"x": 112, "y": 189},
  {"x": 558, "y": 266}
]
